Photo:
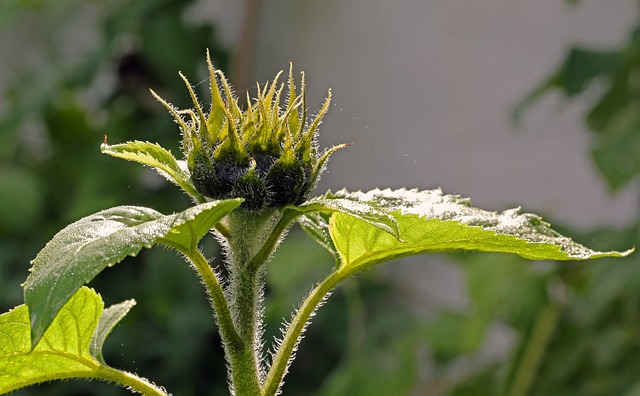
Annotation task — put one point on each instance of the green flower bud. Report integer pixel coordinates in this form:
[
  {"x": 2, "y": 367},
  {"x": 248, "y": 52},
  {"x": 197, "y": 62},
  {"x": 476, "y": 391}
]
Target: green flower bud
[
  {"x": 252, "y": 188},
  {"x": 285, "y": 181},
  {"x": 202, "y": 174},
  {"x": 266, "y": 154}
]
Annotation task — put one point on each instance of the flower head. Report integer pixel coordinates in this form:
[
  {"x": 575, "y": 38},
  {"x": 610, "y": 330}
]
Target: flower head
[{"x": 267, "y": 154}]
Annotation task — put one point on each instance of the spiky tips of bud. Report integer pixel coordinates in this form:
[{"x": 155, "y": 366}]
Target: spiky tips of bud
[{"x": 266, "y": 153}]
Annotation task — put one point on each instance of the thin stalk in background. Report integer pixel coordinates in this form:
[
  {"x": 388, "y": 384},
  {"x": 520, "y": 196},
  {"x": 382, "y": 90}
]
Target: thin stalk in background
[{"x": 535, "y": 349}]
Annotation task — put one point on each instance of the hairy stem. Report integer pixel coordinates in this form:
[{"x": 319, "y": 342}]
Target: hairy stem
[
  {"x": 140, "y": 385},
  {"x": 219, "y": 303},
  {"x": 294, "y": 332},
  {"x": 252, "y": 238},
  {"x": 239, "y": 353},
  {"x": 245, "y": 301},
  {"x": 272, "y": 241}
]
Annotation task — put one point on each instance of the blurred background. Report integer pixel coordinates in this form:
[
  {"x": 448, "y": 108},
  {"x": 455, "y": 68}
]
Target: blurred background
[{"x": 531, "y": 104}]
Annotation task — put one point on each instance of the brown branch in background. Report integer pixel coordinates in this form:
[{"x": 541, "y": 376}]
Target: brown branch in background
[{"x": 241, "y": 59}]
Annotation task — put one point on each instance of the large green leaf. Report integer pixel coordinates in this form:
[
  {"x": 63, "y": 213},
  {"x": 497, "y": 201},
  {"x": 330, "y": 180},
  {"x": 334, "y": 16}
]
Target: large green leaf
[
  {"x": 430, "y": 221},
  {"x": 83, "y": 249},
  {"x": 331, "y": 202},
  {"x": 65, "y": 350},
  {"x": 155, "y": 156}
]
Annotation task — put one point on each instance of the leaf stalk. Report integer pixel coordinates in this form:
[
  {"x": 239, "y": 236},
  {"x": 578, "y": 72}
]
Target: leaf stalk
[
  {"x": 294, "y": 332},
  {"x": 132, "y": 381}
]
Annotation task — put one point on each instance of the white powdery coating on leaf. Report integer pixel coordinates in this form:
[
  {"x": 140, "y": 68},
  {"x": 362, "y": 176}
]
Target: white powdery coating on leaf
[{"x": 433, "y": 204}]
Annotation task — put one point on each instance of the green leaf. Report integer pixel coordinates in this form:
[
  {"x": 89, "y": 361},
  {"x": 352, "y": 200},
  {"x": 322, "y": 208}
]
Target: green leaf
[
  {"x": 430, "y": 221},
  {"x": 363, "y": 210},
  {"x": 316, "y": 225},
  {"x": 155, "y": 156},
  {"x": 108, "y": 320},
  {"x": 65, "y": 350},
  {"x": 83, "y": 249}
]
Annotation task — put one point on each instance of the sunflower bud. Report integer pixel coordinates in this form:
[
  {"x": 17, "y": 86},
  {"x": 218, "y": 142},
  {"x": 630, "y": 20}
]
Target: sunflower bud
[{"x": 266, "y": 154}]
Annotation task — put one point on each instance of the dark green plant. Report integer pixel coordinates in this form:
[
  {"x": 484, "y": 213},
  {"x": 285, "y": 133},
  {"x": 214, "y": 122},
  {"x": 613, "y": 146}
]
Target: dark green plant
[{"x": 250, "y": 174}]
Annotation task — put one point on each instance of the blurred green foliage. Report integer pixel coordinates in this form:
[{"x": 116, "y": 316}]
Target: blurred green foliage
[
  {"x": 71, "y": 84},
  {"x": 612, "y": 75},
  {"x": 561, "y": 329},
  {"x": 576, "y": 327}
]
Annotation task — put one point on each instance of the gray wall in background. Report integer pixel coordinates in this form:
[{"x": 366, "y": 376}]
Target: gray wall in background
[{"x": 425, "y": 88}]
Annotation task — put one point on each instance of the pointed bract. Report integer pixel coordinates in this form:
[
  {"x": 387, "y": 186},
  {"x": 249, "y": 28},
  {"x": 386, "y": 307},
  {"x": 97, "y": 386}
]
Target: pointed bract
[{"x": 265, "y": 154}]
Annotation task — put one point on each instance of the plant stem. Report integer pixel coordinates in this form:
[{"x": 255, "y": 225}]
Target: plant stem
[
  {"x": 291, "y": 339},
  {"x": 238, "y": 349},
  {"x": 535, "y": 349},
  {"x": 272, "y": 241},
  {"x": 252, "y": 238},
  {"x": 230, "y": 337},
  {"x": 244, "y": 287},
  {"x": 141, "y": 385}
]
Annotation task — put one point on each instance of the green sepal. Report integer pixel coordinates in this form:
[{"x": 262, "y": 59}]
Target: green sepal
[
  {"x": 203, "y": 174},
  {"x": 201, "y": 132},
  {"x": 319, "y": 166},
  {"x": 298, "y": 133},
  {"x": 216, "y": 117},
  {"x": 266, "y": 139},
  {"x": 231, "y": 109},
  {"x": 268, "y": 96},
  {"x": 231, "y": 149},
  {"x": 293, "y": 117},
  {"x": 306, "y": 145}
]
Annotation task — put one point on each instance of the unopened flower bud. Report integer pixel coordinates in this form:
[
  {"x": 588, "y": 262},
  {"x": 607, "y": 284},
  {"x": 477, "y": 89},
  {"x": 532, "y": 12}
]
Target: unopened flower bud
[{"x": 266, "y": 154}]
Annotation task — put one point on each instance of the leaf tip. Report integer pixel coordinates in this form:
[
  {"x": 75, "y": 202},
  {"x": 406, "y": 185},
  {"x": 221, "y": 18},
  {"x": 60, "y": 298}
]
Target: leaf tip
[
  {"x": 628, "y": 252},
  {"x": 37, "y": 330},
  {"x": 104, "y": 145}
]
